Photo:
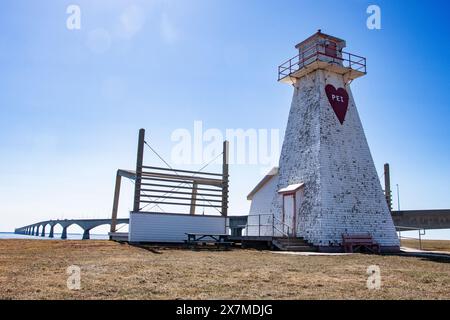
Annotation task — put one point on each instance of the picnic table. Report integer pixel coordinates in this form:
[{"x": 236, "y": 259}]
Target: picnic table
[{"x": 217, "y": 239}]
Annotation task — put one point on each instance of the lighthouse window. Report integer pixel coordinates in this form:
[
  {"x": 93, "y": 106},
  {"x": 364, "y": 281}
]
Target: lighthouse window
[{"x": 331, "y": 49}]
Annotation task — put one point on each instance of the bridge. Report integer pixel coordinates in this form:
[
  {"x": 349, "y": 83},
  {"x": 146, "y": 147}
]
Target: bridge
[
  {"x": 421, "y": 219},
  {"x": 38, "y": 229}
]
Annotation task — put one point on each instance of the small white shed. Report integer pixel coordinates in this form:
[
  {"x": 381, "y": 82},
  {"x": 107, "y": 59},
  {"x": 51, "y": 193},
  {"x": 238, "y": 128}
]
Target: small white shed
[{"x": 172, "y": 228}]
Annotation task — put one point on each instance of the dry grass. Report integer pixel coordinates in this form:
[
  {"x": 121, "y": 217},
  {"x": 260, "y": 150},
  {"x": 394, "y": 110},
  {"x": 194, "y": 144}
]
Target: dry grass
[
  {"x": 31, "y": 269},
  {"x": 429, "y": 245}
]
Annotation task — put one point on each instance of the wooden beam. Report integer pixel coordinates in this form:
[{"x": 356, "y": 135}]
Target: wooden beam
[
  {"x": 180, "y": 178},
  {"x": 193, "y": 199},
  {"x": 116, "y": 202},
  {"x": 178, "y": 186},
  {"x": 182, "y": 204},
  {"x": 139, "y": 160},
  {"x": 160, "y": 196},
  {"x": 217, "y": 195},
  {"x": 127, "y": 174},
  {"x": 184, "y": 171}
]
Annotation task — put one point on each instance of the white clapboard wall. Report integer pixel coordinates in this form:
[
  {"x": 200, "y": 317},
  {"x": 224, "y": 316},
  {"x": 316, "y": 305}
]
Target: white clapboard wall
[{"x": 168, "y": 227}]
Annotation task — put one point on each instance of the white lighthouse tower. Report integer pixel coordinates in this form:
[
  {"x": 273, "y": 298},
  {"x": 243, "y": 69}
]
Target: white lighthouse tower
[{"x": 326, "y": 185}]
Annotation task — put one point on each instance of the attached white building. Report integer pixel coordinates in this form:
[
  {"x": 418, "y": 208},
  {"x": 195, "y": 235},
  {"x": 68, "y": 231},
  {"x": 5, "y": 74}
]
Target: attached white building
[
  {"x": 260, "y": 218},
  {"x": 261, "y": 222}
]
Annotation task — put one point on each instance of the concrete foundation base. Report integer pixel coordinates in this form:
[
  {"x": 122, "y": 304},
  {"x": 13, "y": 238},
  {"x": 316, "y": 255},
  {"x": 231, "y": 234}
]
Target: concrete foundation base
[{"x": 339, "y": 249}]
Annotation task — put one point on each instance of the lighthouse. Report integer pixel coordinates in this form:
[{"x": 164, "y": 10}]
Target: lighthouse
[{"x": 326, "y": 185}]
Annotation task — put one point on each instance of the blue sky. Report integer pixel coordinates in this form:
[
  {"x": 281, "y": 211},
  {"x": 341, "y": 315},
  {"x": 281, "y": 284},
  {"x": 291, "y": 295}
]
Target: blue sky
[{"x": 72, "y": 101}]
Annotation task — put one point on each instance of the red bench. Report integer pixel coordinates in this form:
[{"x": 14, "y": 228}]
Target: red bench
[{"x": 359, "y": 242}]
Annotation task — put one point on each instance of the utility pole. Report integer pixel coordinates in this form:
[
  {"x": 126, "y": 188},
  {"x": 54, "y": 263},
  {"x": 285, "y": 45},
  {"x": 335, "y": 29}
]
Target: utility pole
[
  {"x": 225, "y": 178},
  {"x": 387, "y": 186},
  {"x": 398, "y": 197}
]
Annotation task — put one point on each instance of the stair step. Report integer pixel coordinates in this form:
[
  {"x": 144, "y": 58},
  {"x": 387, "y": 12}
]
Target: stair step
[{"x": 295, "y": 244}]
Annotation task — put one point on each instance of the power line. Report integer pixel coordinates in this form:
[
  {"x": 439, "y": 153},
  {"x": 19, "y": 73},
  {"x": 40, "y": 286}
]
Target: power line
[{"x": 157, "y": 154}]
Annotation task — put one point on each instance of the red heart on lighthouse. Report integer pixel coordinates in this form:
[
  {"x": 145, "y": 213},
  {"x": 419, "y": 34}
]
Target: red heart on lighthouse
[{"x": 339, "y": 101}]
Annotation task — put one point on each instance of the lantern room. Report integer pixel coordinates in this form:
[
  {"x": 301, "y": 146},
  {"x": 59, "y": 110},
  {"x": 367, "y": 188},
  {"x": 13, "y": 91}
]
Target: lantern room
[{"x": 322, "y": 51}]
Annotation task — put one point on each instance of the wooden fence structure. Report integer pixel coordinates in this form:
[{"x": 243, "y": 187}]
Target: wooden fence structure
[{"x": 155, "y": 186}]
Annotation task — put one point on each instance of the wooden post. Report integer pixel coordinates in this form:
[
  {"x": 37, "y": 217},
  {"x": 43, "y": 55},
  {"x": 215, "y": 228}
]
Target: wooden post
[
  {"x": 225, "y": 178},
  {"x": 116, "y": 202},
  {"x": 193, "y": 199},
  {"x": 273, "y": 225},
  {"x": 387, "y": 185},
  {"x": 139, "y": 160},
  {"x": 259, "y": 225}
]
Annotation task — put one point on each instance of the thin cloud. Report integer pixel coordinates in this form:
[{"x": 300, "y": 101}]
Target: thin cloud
[
  {"x": 169, "y": 32},
  {"x": 131, "y": 21},
  {"x": 99, "y": 40}
]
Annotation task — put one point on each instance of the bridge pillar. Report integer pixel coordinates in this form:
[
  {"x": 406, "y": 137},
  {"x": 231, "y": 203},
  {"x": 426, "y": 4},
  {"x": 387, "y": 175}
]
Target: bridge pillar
[
  {"x": 64, "y": 233},
  {"x": 43, "y": 231},
  {"x": 37, "y": 231},
  {"x": 86, "y": 235},
  {"x": 50, "y": 235}
]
